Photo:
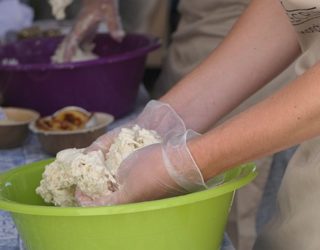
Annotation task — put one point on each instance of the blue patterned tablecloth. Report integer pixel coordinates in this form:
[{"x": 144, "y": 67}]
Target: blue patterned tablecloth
[{"x": 31, "y": 151}]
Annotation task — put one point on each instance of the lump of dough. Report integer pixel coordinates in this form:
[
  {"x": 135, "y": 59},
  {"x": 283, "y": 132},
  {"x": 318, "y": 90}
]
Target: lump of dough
[
  {"x": 80, "y": 55},
  {"x": 93, "y": 173},
  {"x": 128, "y": 141},
  {"x": 72, "y": 168},
  {"x": 58, "y": 8}
]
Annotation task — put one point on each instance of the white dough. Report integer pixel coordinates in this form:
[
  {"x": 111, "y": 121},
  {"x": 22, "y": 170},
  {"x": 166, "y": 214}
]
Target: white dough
[
  {"x": 79, "y": 56},
  {"x": 128, "y": 141},
  {"x": 91, "y": 172},
  {"x": 72, "y": 168},
  {"x": 58, "y": 8}
]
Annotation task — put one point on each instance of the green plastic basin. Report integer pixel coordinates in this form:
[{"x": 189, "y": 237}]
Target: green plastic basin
[{"x": 189, "y": 222}]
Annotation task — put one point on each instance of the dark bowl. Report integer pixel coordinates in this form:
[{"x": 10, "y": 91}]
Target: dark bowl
[
  {"x": 14, "y": 130},
  {"x": 108, "y": 84}
]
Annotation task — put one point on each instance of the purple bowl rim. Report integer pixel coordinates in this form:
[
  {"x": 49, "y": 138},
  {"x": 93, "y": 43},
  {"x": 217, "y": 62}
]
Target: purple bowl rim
[{"x": 154, "y": 43}]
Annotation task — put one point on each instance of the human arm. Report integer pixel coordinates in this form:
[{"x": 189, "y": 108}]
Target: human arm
[
  {"x": 286, "y": 118},
  {"x": 259, "y": 46},
  {"x": 92, "y": 13}
]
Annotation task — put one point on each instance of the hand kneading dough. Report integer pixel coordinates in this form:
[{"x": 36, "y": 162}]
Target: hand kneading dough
[
  {"x": 58, "y": 10},
  {"x": 91, "y": 172}
]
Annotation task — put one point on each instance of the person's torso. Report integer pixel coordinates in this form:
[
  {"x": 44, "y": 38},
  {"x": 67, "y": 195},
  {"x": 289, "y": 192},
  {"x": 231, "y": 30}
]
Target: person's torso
[{"x": 295, "y": 226}]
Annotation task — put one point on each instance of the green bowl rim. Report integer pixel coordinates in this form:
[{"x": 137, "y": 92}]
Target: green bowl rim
[{"x": 248, "y": 169}]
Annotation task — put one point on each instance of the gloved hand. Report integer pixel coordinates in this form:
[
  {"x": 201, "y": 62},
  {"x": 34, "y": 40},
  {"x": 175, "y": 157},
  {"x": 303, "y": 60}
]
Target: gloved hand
[
  {"x": 157, "y": 116},
  {"x": 91, "y": 15},
  {"x": 157, "y": 171}
]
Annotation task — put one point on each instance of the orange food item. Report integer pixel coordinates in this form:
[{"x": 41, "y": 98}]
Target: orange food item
[{"x": 64, "y": 120}]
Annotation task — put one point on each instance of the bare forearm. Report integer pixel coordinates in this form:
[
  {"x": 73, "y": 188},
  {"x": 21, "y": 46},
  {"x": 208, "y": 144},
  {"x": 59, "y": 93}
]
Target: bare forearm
[
  {"x": 260, "y": 46},
  {"x": 287, "y": 118}
]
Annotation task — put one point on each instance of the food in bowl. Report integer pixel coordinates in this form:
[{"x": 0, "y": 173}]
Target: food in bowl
[
  {"x": 175, "y": 223},
  {"x": 98, "y": 85},
  {"x": 69, "y": 118},
  {"x": 36, "y": 32},
  {"x": 80, "y": 54},
  {"x": 92, "y": 173},
  {"x": 70, "y": 129}
]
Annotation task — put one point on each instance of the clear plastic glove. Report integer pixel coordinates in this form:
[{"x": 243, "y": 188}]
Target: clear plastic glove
[
  {"x": 157, "y": 116},
  {"x": 157, "y": 171},
  {"x": 93, "y": 12}
]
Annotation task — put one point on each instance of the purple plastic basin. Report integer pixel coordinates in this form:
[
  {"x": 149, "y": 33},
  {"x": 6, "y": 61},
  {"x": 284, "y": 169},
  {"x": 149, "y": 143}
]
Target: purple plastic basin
[{"x": 108, "y": 84}]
